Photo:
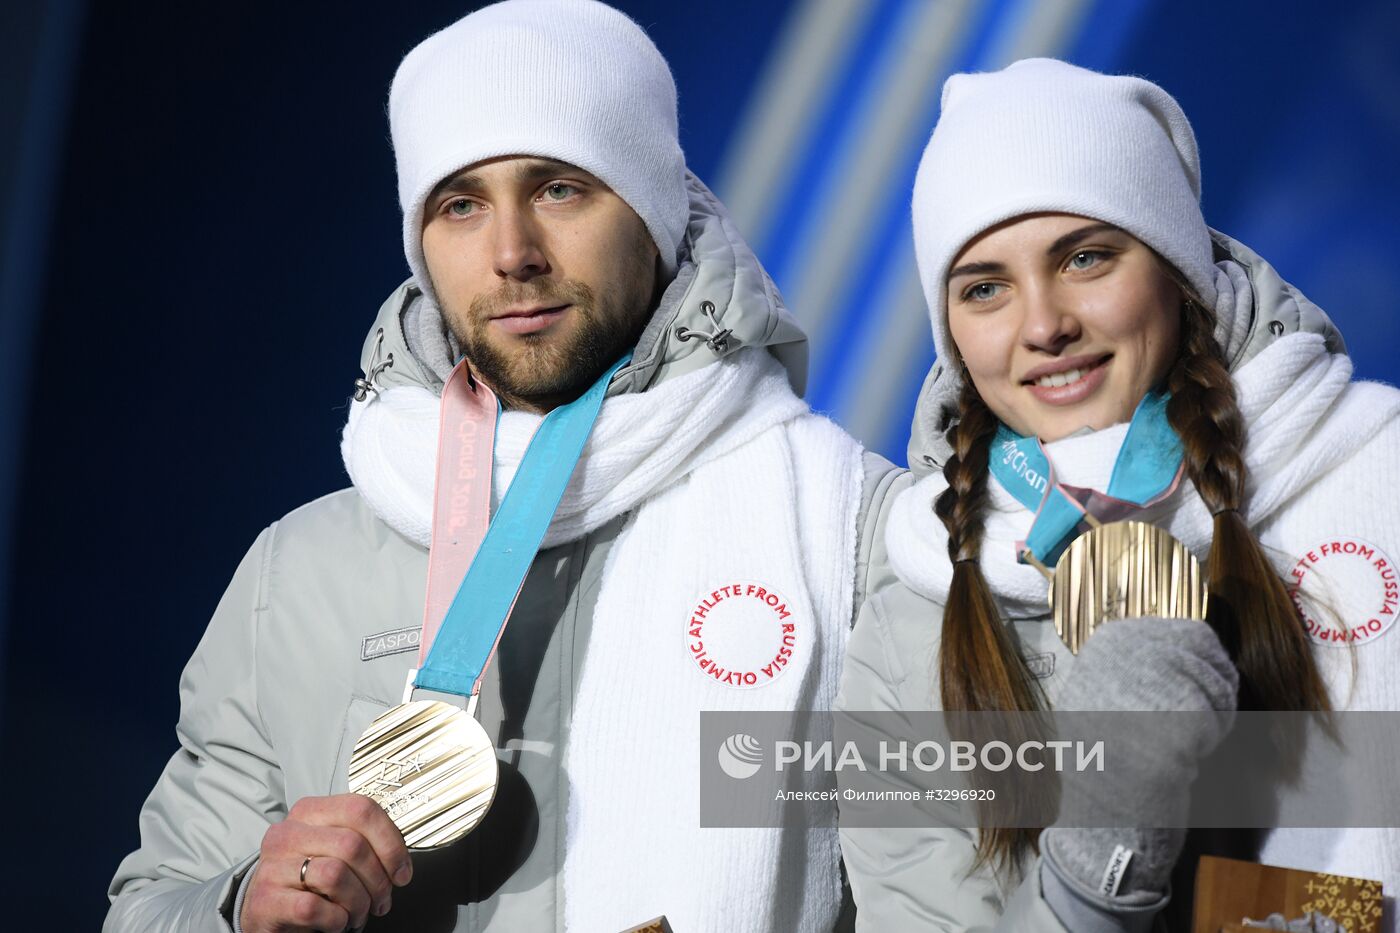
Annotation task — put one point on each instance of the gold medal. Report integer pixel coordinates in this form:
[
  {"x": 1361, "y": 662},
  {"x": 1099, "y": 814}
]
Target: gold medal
[
  {"x": 432, "y": 768},
  {"x": 1123, "y": 570}
]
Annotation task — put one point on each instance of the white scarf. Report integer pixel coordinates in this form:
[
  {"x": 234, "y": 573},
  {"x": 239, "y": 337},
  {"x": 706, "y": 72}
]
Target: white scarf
[
  {"x": 708, "y": 465},
  {"x": 642, "y": 442},
  {"x": 1302, "y": 421}
]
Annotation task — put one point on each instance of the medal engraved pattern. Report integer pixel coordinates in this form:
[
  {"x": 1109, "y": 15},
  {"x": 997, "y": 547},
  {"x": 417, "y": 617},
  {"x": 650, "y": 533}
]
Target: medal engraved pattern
[
  {"x": 431, "y": 767},
  {"x": 1123, "y": 570}
]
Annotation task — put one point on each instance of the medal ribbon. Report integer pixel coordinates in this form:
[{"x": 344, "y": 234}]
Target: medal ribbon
[
  {"x": 461, "y": 492},
  {"x": 1148, "y": 469},
  {"x": 472, "y": 625}
]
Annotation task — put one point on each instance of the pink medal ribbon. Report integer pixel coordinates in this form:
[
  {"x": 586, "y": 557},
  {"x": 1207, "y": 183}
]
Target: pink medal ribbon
[{"x": 461, "y": 492}]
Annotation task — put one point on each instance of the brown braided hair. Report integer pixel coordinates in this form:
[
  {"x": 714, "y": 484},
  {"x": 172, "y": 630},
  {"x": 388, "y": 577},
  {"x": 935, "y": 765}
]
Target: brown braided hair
[
  {"x": 980, "y": 669},
  {"x": 1249, "y": 607}
]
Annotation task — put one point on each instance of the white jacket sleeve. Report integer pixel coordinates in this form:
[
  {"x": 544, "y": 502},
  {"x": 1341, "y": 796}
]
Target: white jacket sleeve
[{"x": 203, "y": 823}]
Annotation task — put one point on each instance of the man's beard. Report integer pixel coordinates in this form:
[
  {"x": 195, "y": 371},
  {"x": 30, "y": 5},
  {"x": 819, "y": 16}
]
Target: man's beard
[{"x": 544, "y": 370}]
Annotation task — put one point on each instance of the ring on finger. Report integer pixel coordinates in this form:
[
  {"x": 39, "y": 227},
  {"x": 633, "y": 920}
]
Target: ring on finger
[{"x": 305, "y": 864}]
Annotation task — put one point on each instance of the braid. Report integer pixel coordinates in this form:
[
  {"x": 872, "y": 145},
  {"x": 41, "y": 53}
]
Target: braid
[
  {"x": 979, "y": 666},
  {"x": 1249, "y": 605},
  {"x": 1203, "y": 408},
  {"x": 961, "y": 505}
]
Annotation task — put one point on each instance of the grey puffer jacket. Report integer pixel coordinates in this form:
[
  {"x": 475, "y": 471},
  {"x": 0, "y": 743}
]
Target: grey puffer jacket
[
  {"x": 923, "y": 879},
  {"x": 319, "y": 627}
]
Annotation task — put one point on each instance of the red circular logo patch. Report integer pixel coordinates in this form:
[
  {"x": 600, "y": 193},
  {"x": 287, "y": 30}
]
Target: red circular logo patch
[
  {"x": 1347, "y": 591},
  {"x": 742, "y": 635}
]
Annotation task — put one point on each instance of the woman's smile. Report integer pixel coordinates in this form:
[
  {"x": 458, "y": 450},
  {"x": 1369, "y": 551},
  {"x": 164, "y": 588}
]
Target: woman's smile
[{"x": 1069, "y": 382}]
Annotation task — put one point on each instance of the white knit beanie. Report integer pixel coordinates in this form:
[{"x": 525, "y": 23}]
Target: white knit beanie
[
  {"x": 1046, "y": 136},
  {"x": 573, "y": 80}
]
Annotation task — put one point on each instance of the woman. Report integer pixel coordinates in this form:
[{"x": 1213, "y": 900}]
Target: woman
[{"x": 1075, "y": 292}]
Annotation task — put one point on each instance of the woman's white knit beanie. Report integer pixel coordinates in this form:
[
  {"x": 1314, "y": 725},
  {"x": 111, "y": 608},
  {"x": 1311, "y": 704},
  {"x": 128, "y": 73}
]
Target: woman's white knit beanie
[
  {"x": 1043, "y": 135},
  {"x": 573, "y": 80}
]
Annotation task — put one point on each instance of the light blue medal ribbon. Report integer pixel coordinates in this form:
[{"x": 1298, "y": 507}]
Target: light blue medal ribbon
[
  {"x": 478, "y": 614},
  {"x": 1147, "y": 470}
]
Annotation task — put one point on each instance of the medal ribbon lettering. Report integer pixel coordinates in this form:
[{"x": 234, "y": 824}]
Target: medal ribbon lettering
[
  {"x": 461, "y": 492},
  {"x": 1148, "y": 469}
]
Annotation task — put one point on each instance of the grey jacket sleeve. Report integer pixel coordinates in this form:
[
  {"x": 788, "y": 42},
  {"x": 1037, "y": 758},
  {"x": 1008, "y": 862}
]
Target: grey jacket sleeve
[
  {"x": 921, "y": 878},
  {"x": 881, "y": 482},
  {"x": 203, "y": 823}
]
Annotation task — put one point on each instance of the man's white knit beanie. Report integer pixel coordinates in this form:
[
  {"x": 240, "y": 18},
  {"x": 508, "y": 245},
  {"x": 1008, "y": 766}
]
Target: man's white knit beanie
[
  {"x": 1044, "y": 135},
  {"x": 573, "y": 80}
]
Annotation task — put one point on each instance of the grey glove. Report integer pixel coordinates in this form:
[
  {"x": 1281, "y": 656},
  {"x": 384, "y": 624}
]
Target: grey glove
[{"x": 1148, "y": 664}]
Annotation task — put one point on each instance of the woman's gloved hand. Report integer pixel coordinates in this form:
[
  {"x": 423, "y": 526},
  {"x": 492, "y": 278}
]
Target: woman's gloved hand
[{"x": 1161, "y": 665}]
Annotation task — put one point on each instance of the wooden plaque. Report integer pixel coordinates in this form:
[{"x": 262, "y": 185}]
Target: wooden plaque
[
  {"x": 659, "y": 925},
  {"x": 1228, "y": 891}
]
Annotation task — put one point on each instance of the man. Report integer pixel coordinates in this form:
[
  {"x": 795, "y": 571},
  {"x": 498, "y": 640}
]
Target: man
[{"x": 552, "y": 229}]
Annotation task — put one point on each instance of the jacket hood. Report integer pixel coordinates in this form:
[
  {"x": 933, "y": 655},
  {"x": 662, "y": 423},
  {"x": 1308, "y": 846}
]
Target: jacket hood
[
  {"x": 720, "y": 301},
  {"x": 1276, "y": 310}
]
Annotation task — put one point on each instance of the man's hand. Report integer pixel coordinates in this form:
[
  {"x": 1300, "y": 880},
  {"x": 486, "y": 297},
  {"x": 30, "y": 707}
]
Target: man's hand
[{"x": 356, "y": 854}]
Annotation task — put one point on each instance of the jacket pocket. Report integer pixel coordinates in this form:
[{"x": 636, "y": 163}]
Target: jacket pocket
[{"x": 358, "y": 715}]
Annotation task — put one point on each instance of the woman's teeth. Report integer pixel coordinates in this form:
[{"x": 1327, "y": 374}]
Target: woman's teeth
[{"x": 1061, "y": 379}]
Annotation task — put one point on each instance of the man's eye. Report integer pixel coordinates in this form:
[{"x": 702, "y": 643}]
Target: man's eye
[
  {"x": 462, "y": 207},
  {"x": 559, "y": 191}
]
